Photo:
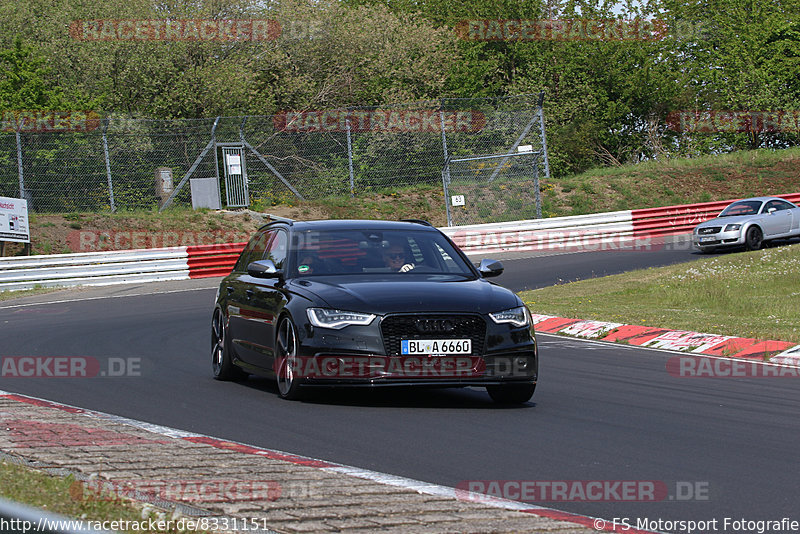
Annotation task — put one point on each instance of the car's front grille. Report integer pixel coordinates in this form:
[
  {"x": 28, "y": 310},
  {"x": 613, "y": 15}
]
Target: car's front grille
[
  {"x": 709, "y": 230},
  {"x": 398, "y": 327}
]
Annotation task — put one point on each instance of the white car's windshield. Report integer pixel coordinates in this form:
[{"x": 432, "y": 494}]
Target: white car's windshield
[{"x": 745, "y": 207}]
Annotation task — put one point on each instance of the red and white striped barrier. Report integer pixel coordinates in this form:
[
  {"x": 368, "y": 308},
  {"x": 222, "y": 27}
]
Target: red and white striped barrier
[
  {"x": 673, "y": 220},
  {"x": 642, "y": 229},
  {"x": 618, "y": 230},
  {"x": 212, "y": 260}
]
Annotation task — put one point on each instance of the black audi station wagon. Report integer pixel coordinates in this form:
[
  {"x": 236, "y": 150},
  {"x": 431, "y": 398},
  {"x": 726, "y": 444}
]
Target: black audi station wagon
[{"x": 370, "y": 303}]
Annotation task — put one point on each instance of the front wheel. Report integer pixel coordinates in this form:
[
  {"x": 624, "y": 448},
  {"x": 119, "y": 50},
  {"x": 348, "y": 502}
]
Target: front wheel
[
  {"x": 511, "y": 393},
  {"x": 286, "y": 360},
  {"x": 221, "y": 363},
  {"x": 754, "y": 238}
]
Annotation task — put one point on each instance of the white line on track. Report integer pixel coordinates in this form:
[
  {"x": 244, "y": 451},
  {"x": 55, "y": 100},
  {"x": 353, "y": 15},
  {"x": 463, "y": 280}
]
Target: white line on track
[{"x": 67, "y": 301}]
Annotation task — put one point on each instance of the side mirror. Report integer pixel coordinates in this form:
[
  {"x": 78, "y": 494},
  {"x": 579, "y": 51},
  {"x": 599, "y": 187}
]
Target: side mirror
[
  {"x": 772, "y": 210},
  {"x": 263, "y": 269},
  {"x": 490, "y": 268}
]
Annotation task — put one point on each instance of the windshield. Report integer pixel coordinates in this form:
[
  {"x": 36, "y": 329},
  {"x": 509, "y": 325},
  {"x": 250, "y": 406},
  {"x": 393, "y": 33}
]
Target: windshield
[
  {"x": 331, "y": 252},
  {"x": 745, "y": 207}
]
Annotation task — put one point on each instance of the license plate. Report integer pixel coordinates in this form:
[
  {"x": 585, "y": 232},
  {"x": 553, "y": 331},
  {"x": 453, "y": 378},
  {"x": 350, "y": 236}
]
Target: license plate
[
  {"x": 707, "y": 239},
  {"x": 413, "y": 347}
]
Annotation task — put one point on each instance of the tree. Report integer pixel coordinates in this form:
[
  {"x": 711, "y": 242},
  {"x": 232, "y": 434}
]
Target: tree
[{"x": 25, "y": 82}]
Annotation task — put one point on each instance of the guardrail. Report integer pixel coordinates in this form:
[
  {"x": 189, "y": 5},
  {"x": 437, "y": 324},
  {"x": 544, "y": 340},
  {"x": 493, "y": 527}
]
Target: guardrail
[
  {"x": 618, "y": 230},
  {"x": 589, "y": 232},
  {"x": 94, "y": 268}
]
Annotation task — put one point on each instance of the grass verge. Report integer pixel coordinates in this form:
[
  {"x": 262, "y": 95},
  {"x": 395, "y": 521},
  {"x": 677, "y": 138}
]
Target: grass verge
[
  {"x": 68, "y": 497},
  {"x": 8, "y": 295},
  {"x": 748, "y": 294}
]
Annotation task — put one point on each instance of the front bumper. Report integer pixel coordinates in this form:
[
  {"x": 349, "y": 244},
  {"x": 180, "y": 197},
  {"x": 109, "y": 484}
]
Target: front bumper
[
  {"x": 720, "y": 239},
  {"x": 378, "y": 370},
  {"x": 357, "y": 355}
]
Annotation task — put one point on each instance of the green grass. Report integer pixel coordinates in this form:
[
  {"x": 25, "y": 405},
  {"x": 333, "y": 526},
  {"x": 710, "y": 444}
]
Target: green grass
[
  {"x": 68, "y": 497},
  {"x": 748, "y": 294},
  {"x": 8, "y": 295}
]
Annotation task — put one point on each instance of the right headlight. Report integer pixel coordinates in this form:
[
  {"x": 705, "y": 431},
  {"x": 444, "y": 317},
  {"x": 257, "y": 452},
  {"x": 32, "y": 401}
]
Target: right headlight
[
  {"x": 337, "y": 319},
  {"x": 519, "y": 316}
]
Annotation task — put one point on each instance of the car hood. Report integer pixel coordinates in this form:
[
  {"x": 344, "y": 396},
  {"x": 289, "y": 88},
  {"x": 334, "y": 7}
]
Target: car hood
[
  {"x": 722, "y": 221},
  {"x": 415, "y": 293}
]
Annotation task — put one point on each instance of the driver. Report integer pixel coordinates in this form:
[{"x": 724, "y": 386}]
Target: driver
[{"x": 395, "y": 257}]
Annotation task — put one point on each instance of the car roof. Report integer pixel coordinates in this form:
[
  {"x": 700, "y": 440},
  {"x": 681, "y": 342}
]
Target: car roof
[
  {"x": 356, "y": 224},
  {"x": 762, "y": 199}
]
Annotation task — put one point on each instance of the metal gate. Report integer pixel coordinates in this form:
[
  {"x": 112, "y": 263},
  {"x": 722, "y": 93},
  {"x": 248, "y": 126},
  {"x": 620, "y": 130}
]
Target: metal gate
[
  {"x": 235, "y": 171},
  {"x": 499, "y": 187}
]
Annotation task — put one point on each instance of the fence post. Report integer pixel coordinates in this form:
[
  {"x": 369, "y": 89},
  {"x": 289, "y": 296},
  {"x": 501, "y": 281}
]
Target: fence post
[
  {"x": 19, "y": 163},
  {"x": 446, "y": 169},
  {"x": 537, "y": 195},
  {"x": 349, "y": 153},
  {"x": 544, "y": 138},
  {"x": 106, "y": 122}
]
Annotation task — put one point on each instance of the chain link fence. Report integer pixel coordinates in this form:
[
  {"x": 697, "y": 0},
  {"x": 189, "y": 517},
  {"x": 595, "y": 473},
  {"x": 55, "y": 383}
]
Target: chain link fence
[{"x": 290, "y": 156}]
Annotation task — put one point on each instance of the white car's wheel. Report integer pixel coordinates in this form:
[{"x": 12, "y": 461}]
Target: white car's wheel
[{"x": 754, "y": 238}]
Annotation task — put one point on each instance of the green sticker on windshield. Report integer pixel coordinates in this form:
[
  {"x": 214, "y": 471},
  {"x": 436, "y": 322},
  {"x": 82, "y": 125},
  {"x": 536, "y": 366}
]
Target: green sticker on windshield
[{"x": 303, "y": 268}]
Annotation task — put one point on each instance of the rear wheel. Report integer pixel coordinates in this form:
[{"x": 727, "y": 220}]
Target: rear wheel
[
  {"x": 221, "y": 363},
  {"x": 754, "y": 238},
  {"x": 511, "y": 393},
  {"x": 286, "y": 360}
]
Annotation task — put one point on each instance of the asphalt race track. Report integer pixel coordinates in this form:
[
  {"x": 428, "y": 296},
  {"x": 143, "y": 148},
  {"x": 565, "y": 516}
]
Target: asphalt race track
[{"x": 601, "y": 412}]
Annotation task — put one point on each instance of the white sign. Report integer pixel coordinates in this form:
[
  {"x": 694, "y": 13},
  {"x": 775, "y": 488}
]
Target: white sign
[
  {"x": 234, "y": 163},
  {"x": 458, "y": 200},
  {"x": 14, "y": 220},
  {"x": 525, "y": 148}
]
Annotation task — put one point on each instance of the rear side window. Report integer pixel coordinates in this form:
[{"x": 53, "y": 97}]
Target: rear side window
[{"x": 778, "y": 205}]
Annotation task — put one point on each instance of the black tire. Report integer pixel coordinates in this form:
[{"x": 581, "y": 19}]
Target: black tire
[
  {"x": 221, "y": 364},
  {"x": 754, "y": 238},
  {"x": 285, "y": 360},
  {"x": 511, "y": 393}
]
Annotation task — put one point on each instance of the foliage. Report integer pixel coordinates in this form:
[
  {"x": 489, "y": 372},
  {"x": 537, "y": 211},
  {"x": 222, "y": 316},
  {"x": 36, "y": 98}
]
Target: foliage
[{"x": 607, "y": 101}]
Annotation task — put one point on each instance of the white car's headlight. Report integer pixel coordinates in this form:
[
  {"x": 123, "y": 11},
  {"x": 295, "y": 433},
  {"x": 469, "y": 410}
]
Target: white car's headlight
[
  {"x": 337, "y": 319},
  {"x": 515, "y": 316},
  {"x": 732, "y": 227}
]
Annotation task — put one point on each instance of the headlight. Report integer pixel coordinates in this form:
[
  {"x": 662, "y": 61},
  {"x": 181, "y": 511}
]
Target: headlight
[
  {"x": 515, "y": 316},
  {"x": 732, "y": 227},
  {"x": 337, "y": 319}
]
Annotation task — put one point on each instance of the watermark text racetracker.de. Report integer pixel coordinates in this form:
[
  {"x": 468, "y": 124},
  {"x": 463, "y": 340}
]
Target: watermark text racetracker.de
[
  {"x": 182, "y": 490},
  {"x": 557, "y": 240},
  {"x": 150, "y": 524},
  {"x": 702, "y": 367},
  {"x": 543, "y": 491},
  {"x": 69, "y": 367},
  {"x": 690, "y": 526},
  {"x": 103, "y": 240}
]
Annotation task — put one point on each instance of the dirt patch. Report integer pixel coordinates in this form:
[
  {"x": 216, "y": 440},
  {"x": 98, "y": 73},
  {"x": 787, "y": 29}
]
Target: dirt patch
[{"x": 94, "y": 232}]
